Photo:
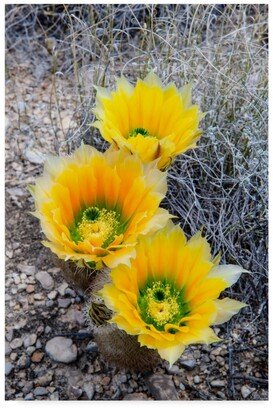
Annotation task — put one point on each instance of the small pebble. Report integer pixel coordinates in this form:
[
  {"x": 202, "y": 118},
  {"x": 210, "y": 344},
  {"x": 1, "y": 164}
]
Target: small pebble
[
  {"x": 9, "y": 335},
  {"x": 61, "y": 349},
  {"x": 70, "y": 292},
  {"x": 38, "y": 296},
  {"x": 217, "y": 383},
  {"x": 246, "y": 391},
  {"x": 48, "y": 330},
  {"x": 49, "y": 303},
  {"x": 37, "y": 357},
  {"x": 52, "y": 295},
  {"x": 15, "y": 343},
  {"x": 45, "y": 280},
  {"x": 61, "y": 289},
  {"x": 75, "y": 392},
  {"x": 13, "y": 356},
  {"x": 8, "y": 368},
  {"x": 64, "y": 303},
  {"x": 188, "y": 364},
  {"x": 89, "y": 389},
  {"x": 92, "y": 348},
  {"x": 105, "y": 381},
  {"x": 7, "y": 349},
  {"x": 40, "y": 391},
  {"x": 174, "y": 369},
  {"x": 30, "y": 289},
  {"x": 23, "y": 362},
  {"x": 30, "y": 340},
  {"x": 38, "y": 344},
  {"x": 196, "y": 379}
]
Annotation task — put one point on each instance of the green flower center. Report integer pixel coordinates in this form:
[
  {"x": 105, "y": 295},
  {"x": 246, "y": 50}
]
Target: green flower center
[
  {"x": 137, "y": 131},
  {"x": 99, "y": 226},
  {"x": 161, "y": 303}
]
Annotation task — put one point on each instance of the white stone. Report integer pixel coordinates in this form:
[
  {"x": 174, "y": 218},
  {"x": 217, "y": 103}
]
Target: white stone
[{"x": 61, "y": 349}]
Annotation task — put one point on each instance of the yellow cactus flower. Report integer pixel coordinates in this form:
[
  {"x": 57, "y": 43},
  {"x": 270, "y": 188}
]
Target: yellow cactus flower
[
  {"x": 93, "y": 206},
  {"x": 154, "y": 121},
  {"x": 168, "y": 297}
]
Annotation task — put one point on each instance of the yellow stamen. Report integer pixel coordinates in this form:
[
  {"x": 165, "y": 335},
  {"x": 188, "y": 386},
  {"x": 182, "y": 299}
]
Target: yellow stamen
[
  {"x": 100, "y": 229},
  {"x": 162, "y": 306}
]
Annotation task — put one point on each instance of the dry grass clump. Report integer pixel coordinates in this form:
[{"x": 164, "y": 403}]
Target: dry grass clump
[{"x": 222, "y": 185}]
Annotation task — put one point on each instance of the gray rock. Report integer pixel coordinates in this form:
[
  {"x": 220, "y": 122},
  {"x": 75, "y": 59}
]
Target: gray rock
[
  {"x": 27, "y": 269},
  {"x": 40, "y": 391},
  {"x": 48, "y": 330},
  {"x": 45, "y": 379},
  {"x": 8, "y": 368},
  {"x": 29, "y": 396},
  {"x": 216, "y": 351},
  {"x": 28, "y": 386},
  {"x": 45, "y": 280},
  {"x": 21, "y": 287},
  {"x": 61, "y": 349},
  {"x": 162, "y": 387},
  {"x": 34, "y": 156},
  {"x": 54, "y": 396},
  {"x": 188, "y": 364},
  {"x": 30, "y": 340},
  {"x": 205, "y": 358},
  {"x": 61, "y": 288},
  {"x": 15, "y": 343},
  {"x": 64, "y": 303},
  {"x": 13, "y": 356},
  {"x": 217, "y": 383},
  {"x": 92, "y": 348},
  {"x": 74, "y": 392},
  {"x": 23, "y": 362},
  {"x": 30, "y": 350},
  {"x": 49, "y": 303},
  {"x": 123, "y": 378},
  {"x": 197, "y": 354},
  {"x": 99, "y": 388},
  {"x": 196, "y": 379},
  {"x": 75, "y": 377},
  {"x": 38, "y": 296},
  {"x": 7, "y": 349},
  {"x": 174, "y": 369},
  {"x": 135, "y": 396},
  {"x": 52, "y": 295},
  {"x": 182, "y": 386},
  {"x": 221, "y": 395},
  {"x": 38, "y": 344},
  {"x": 9, "y": 335},
  {"x": 70, "y": 292},
  {"x": 246, "y": 391},
  {"x": 89, "y": 389}
]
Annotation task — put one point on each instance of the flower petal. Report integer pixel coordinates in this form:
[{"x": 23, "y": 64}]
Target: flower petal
[
  {"x": 226, "y": 308},
  {"x": 171, "y": 354},
  {"x": 230, "y": 273}
]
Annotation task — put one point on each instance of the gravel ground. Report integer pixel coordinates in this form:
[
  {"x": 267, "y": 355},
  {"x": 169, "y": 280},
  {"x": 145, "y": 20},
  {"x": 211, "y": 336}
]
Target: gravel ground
[{"x": 50, "y": 354}]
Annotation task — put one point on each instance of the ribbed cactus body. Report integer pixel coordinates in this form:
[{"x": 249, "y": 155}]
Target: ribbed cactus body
[
  {"x": 123, "y": 350},
  {"x": 83, "y": 278}
]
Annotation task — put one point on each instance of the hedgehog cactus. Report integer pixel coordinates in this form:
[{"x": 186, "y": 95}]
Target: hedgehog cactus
[{"x": 116, "y": 346}]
